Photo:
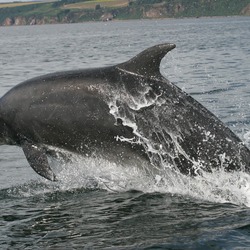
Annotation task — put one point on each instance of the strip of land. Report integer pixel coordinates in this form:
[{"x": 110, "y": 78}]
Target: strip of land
[{"x": 72, "y": 11}]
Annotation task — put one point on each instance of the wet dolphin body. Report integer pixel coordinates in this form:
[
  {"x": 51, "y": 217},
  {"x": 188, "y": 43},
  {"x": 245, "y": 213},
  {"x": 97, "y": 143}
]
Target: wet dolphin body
[{"x": 126, "y": 113}]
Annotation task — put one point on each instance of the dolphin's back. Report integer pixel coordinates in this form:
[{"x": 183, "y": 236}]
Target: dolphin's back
[{"x": 56, "y": 103}]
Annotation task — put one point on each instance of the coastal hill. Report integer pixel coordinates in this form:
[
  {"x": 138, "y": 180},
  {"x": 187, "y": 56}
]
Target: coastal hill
[{"x": 73, "y": 11}]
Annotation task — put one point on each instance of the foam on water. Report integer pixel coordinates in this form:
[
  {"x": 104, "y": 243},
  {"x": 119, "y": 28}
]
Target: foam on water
[
  {"x": 246, "y": 138},
  {"x": 96, "y": 173}
]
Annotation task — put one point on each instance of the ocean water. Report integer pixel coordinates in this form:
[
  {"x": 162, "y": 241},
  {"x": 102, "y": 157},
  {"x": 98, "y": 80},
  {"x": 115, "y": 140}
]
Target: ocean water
[{"x": 100, "y": 205}]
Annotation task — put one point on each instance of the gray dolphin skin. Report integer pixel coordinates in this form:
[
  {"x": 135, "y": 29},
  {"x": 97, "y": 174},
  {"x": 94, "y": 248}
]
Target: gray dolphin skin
[{"x": 126, "y": 113}]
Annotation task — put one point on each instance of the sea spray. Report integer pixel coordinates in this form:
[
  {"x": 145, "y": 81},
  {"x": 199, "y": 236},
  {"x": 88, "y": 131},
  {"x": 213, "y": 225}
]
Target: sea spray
[{"x": 93, "y": 173}]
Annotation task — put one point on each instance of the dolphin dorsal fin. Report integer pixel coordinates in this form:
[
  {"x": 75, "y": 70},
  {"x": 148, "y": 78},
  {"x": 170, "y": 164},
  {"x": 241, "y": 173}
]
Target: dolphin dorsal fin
[{"x": 148, "y": 61}]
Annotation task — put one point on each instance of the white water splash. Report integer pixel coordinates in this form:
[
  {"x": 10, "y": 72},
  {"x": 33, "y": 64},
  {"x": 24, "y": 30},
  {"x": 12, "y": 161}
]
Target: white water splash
[
  {"x": 246, "y": 138},
  {"x": 95, "y": 173}
]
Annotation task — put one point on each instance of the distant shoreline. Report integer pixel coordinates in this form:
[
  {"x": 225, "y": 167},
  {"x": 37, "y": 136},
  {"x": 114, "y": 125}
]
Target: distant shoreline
[
  {"x": 130, "y": 20},
  {"x": 80, "y": 11}
]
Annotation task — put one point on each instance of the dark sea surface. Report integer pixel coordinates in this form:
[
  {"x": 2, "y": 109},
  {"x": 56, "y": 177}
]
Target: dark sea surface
[{"x": 100, "y": 205}]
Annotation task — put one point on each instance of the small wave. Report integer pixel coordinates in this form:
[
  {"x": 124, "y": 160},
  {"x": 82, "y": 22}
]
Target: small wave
[
  {"x": 28, "y": 189},
  {"x": 210, "y": 92}
]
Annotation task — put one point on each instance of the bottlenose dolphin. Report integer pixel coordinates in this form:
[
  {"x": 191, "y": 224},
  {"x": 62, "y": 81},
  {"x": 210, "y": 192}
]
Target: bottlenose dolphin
[{"x": 126, "y": 113}]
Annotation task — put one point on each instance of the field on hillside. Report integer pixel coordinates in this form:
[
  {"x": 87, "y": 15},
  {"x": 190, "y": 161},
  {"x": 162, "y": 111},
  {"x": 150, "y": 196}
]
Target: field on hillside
[
  {"x": 80, "y": 5},
  {"x": 17, "y": 4},
  {"x": 102, "y": 3}
]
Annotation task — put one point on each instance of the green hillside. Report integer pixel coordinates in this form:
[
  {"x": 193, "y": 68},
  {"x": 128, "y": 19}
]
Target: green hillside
[{"x": 70, "y": 11}]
